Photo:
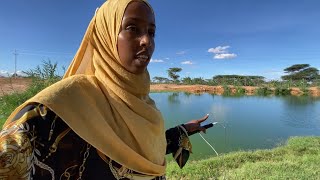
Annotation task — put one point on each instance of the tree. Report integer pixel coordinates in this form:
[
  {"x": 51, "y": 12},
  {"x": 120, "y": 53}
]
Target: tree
[
  {"x": 301, "y": 72},
  {"x": 295, "y": 68},
  {"x": 186, "y": 80},
  {"x": 238, "y": 80},
  {"x": 199, "y": 80},
  {"x": 47, "y": 70},
  {"x": 172, "y": 73},
  {"x": 160, "y": 79}
]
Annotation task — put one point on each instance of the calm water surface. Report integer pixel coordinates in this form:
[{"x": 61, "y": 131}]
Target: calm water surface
[{"x": 245, "y": 123}]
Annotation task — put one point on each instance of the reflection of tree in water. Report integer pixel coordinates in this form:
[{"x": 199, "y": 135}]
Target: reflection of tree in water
[
  {"x": 212, "y": 95},
  {"x": 301, "y": 112},
  {"x": 174, "y": 98},
  {"x": 187, "y": 94},
  {"x": 299, "y": 100}
]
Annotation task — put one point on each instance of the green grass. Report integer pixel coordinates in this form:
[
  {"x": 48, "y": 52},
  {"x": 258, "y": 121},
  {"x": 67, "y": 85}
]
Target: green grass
[
  {"x": 9, "y": 102},
  {"x": 42, "y": 77},
  {"x": 298, "y": 159}
]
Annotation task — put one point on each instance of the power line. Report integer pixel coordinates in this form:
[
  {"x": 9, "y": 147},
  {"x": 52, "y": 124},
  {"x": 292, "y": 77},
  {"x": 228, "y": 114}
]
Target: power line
[{"x": 15, "y": 62}]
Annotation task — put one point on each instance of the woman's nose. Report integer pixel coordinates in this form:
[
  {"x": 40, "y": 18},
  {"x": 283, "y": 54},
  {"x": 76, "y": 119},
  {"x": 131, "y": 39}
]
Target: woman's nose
[{"x": 145, "y": 40}]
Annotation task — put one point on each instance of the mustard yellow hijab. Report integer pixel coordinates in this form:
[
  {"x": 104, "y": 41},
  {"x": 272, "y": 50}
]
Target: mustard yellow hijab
[{"x": 103, "y": 103}]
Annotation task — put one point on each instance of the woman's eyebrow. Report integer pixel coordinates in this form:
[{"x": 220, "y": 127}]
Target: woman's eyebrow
[{"x": 135, "y": 19}]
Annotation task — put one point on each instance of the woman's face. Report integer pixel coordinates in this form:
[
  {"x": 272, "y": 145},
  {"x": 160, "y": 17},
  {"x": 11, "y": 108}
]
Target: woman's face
[{"x": 136, "y": 38}]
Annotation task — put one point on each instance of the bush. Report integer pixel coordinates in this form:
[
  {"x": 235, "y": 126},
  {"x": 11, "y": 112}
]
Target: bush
[
  {"x": 239, "y": 91},
  {"x": 42, "y": 77},
  {"x": 227, "y": 91},
  {"x": 263, "y": 91},
  {"x": 282, "y": 91}
]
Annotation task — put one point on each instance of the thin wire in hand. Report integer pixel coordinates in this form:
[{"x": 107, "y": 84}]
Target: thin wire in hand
[{"x": 209, "y": 144}]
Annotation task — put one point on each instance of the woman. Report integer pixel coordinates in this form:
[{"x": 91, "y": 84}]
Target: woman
[{"x": 99, "y": 121}]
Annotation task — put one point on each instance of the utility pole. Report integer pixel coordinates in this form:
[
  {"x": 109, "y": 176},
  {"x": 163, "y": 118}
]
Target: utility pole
[{"x": 15, "y": 62}]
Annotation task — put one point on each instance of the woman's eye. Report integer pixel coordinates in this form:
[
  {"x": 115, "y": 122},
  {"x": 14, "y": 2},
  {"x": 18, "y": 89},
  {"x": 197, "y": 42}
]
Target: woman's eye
[
  {"x": 152, "y": 33},
  {"x": 132, "y": 28}
]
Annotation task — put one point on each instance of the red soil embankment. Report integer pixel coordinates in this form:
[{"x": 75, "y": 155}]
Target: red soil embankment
[{"x": 249, "y": 90}]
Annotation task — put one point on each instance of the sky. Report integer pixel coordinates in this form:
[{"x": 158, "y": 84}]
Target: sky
[{"x": 205, "y": 38}]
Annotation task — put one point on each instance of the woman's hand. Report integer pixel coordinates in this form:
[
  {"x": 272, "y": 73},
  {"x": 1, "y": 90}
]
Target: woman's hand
[{"x": 194, "y": 125}]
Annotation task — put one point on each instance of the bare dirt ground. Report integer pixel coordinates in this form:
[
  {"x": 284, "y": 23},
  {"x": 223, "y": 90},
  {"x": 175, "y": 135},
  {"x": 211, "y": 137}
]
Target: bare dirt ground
[{"x": 9, "y": 85}]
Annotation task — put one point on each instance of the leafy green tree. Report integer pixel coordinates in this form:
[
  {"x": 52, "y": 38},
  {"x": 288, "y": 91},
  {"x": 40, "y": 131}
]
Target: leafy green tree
[
  {"x": 301, "y": 72},
  {"x": 238, "y": 80},
  {"x": 172, "y": 73},
  {"x": 199, "y": 80},
  {"x": 296, "y": 68},
  {"x": 159, "y": 79},
  {"x": 186, "y": 80}
]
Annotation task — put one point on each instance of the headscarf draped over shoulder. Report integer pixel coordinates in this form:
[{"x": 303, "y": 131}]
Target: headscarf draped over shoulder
[{"x": 103, "y": 103}]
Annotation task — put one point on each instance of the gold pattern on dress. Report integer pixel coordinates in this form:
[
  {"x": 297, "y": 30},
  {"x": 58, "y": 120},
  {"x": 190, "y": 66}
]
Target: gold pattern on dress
[
  {"x": 123, "y": 172},
  {"x": 42, "y": 110},
  {"x": 85, "y": 156},
  {"x": 184, "y": 143},
  {"x": 53, "y": 124},
  {"x": 16, "y": 153},
  {"x": 54, "y": 146},
  {"x": 70, "y": 171}
]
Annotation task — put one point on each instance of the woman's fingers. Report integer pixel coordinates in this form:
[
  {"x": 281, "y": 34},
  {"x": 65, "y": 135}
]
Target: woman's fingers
[
  {"x": 203, "y": 119},
  {"x": 195, "y": 125},
  {"x": 202, "y": 129}
]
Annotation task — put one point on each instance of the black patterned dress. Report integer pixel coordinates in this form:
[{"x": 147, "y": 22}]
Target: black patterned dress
[{"x": 44, "y": 147}]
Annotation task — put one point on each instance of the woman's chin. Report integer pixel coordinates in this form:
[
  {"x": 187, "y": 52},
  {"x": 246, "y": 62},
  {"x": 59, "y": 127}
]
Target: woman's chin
[{"x": 137, "y": 70}]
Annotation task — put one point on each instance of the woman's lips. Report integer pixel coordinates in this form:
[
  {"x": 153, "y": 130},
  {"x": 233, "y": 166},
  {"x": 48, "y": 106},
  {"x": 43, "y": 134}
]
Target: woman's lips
[{"x": 142, "y": 58}]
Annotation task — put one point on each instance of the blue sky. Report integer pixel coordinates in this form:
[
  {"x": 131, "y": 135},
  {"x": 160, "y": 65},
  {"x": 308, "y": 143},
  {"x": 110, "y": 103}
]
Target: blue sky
[{"x": 205, "y": 38}]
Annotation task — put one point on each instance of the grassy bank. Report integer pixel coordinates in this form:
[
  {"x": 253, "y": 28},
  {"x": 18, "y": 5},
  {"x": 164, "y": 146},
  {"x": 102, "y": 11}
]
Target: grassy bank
[
  {"x": 41, "y": 77},
  {"x": 11, "y": 101},
  {"x": 298, "y": 159}
]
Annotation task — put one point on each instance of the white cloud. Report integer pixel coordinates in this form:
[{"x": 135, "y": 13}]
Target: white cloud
[
  {"x": 181, "y": 52},
  {"x": 4, "y": 73},
  {"x": 225, "y": 56},
  {"x": 156, "y": 61},
  {"x": 219, "y": 49},
  {"x": 222, "y": 52},
  {"x": 19, "y": 73},
  {"x": 187, "y": 62},
  {"x": 167, "y": 58}
]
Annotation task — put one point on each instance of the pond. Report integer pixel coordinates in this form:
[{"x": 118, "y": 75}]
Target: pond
[{"x": 244, "y": 123}]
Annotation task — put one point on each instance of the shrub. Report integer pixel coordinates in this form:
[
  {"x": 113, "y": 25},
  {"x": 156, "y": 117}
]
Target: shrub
[{"x": 42, "y": 77}]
